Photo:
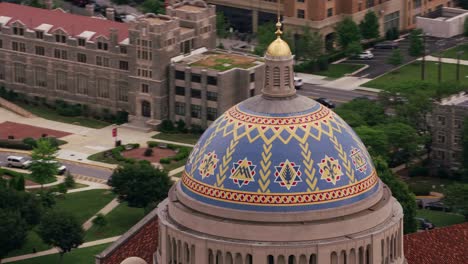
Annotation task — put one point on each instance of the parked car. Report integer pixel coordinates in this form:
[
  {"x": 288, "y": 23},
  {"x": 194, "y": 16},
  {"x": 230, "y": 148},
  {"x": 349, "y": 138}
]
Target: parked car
[
  {"x": 424, "y": 224},
  {"x": 420, "y": 203},
  {"x": 61, "y": 169},
  {"x": 386, "y": 45},
  {"x": 365, "y": 55},
  {"x": 18, "y": 162},
  {"x": 298, "y": 83},
  {"x": 437, "y": 206},
  {"x": 326, "y": 102}
]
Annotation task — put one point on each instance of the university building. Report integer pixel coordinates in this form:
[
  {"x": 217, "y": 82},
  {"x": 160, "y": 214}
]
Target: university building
[{"x": 105, "y": 64}]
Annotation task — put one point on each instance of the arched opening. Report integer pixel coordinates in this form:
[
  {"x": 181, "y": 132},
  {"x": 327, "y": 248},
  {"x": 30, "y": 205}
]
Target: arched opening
[
  {"x": 382, "y": 250},
  {"x": 186, "y": 254},
  {"x": 228, "y": 259},
  {"x": 248, "y": 259},
  {"x": 174, "y": 251},
  {"x": 238, "y": 258},
  {"x": 395, "y": 253},
  {"x": 352, "y": 256},
  {"x": 387, "y": 248},
  {"x": 276, "y": 77},
  {"x": 210, "y": 257},
  {"x": 281, "y": 259},
  {"x": 219, "y": 257},
  {"x": 169, "y": 250},
  {"x": 313, "y": 259},
  {"x": 267, "y": 76},
  {"x": 361, "y": 255},
  {"x": 270, "y": 259},
  {"x": 302, "y": 259},
  {"x": 368, "y": 255},
  {"x": 145, "y": 109},
  {"x": 180, "y": 258},
  {"x": 287, "y": 76},
  {"x": 334, "y": 258},
  {"x": 192, "y": 254},
  {"x": 292, "y": 259},
  {"x": 391, "y": 248},
  {"x": 343, "y": 257}
]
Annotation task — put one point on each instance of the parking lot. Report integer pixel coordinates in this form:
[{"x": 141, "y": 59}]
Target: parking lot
[{"x": 378, "y": 65}]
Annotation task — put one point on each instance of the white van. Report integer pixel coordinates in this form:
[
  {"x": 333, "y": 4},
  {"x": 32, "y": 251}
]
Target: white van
[{"x": 18, "y": 162}]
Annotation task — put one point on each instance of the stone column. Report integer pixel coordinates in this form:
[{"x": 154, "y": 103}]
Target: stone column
[
  {"x": 254, "y": 21},
  {"x": 204, "y": 100}
]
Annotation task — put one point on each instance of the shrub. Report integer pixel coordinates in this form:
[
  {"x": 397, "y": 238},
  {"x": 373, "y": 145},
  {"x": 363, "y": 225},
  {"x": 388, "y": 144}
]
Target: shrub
[
  {"x": 61, "y": 188},
  {"x": 167, "y": 126},
  {"x": 196, "y": 129},
  {"x": 165, "y": 161},
  {"x": 19, "y": 183},
  {"x": 148, "y": 152},
  {"x": 181, "y": 127},
  {"x": 100, "y": 220},
  {"x": 152, "y": 144},
  {"x": 30, "y": 141},
  {"x": 69, "y": 181},
  {"x": 420, "y": 189},
  {"x": 121, "y": 117},
  {"x": 14, "y": 144},
  {"x": 418, "y": 171}
]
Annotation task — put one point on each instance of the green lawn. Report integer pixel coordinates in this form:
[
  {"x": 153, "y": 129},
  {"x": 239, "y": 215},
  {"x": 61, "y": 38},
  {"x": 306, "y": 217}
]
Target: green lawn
[
  {"x": 52, "y": 115},
  {"x": 32, "y": 241},
  {"x": 25, "y": 175},
  {"x": 76, "y": 256},
  {"x": 178, "y": 137},
  {"x": 440, "y": 219},
  {"x": 119, "y": 221},
  {"x": 339, "y": 70},
  {"x": 412, "y": 72},
  {"x": 452, "y": 53},
  {"x": 424, "y": 185}
]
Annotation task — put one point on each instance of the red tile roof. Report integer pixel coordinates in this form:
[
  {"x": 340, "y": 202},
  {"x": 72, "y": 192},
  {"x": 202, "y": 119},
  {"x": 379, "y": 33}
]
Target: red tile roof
[
  {"x": 73, "y": 24},
  {"x": 447, "y": 245}
]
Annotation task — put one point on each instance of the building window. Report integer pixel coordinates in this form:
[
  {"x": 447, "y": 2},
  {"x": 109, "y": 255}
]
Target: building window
[
  {"x": 195, "y": 111},
  {"x": 61, "y": 81},
  {"x": 81, "y": 42},
  {"x": 441, "y": 137},
  {"x": 60, "y": 38},
  {"x": 196, "y": 93},
  {"x": 60, "y": 54},
  {"x": 196, "y": 78},
  {"x": 123, "y": 65},
  {"x": 18, "y": 46},
  {"x": 82, "y": 84},
  {"x": 329, "y": 12},
  {"x": 211, "y": 113},
  {"x": 81, "y": 57},
  {"x": 103, "y": 88},
  {"x": 20, "y": 73},
  {"x": 102, "y": 61},
  {"x": 2, "y": 70},
  {"x": 212, "y": 96},
  {"x": 392, "y": 20},
  {"x": 40, "y": 75},
  {"x": 212, "y": 80},
  {"x": 123, "y": 49},
  {"x": 180, "y": 90},
  {"x": 276, "y": 76},
  {"x": 179, "y": 108},
  {"x": 144, "y": 88},
  {"x": 123, "y": 92},
  {"x": 144, "y": 49},
  {"x": 252, "y": 92},
  {"x": 300, "y": 13},
  {"x": 40, "y": 50},
  {"x": 441, "y": 120},
  {"x": 369, "y": 3},
  {"x": 145, "y": 73},
  {"x": 456, "y": 139},
  {"x": 180, "y": 75},
  {"x": 39, "y": 35},
  {"x": 457, "y": 123},
  {"x": 440, "y": 155},
  {"x": 18, "y": 31},
  {"x": 102, "y": 45},
  {"x": 417, "y": 3},
  {"x": 252, "y": 77},
  {"x": 1, "y": 43}
]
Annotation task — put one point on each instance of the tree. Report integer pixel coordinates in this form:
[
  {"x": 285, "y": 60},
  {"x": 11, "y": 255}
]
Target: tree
[
  {"x": 43, "y": 165},
  {"x": 403, "y": 141},
  {"x": 416, "y": 48},
  {"x": 100, "y": 220},
  {"x": 369, "y": 26},
  {"x": 456, "y": 196},
  {"x": 375, "y": 140},
  {"x": 400, "y": 191},
  {"x": 69, "y": 181},
  {"x": 396, "y": 58},
  {"x": 19, "y": 183},
  {"x": 140, "y": 184},
  {"x": 265, "y": 35},
  {"x": 309, "y": 45},
  {"x": 353, "y": 48},
  {"x": 153, "y": 6},
  {"x": 221, "y": 25},
  {"x": 61, "y": 229},
  {"x": 370, "y": 112},
  {"x": 13, "y": 231},
  {"x": 347, "y": 32}
]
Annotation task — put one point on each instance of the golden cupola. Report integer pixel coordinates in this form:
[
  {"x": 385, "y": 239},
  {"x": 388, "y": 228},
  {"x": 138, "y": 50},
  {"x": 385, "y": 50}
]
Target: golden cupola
[{"x": 279, "y": 47}]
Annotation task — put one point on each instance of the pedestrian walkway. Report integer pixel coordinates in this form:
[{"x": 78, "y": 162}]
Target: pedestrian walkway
[
  {"x": 311, "y": 78},
  {"x": 173, "y": 142},
  {"x": 104, "y": 211},
  {"x": 445, "y": 60},
  {"x": 348, "y": 83},
  {"x": 56, "y": 250}
]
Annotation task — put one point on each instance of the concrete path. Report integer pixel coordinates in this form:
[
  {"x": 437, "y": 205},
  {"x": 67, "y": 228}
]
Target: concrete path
[
  {"x": 347, "y": 83},
  {"x": 445, "y": 60},
  {"x": 104, "y": 211},
  {"x": 173, "y": 142},
  {"x": 55, "y": 250},
  {"x": 312, "y": 79}
]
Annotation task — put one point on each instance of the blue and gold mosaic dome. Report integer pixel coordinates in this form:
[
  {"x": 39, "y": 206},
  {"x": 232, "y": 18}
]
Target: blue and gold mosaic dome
[{"x": 279, "y": 162}]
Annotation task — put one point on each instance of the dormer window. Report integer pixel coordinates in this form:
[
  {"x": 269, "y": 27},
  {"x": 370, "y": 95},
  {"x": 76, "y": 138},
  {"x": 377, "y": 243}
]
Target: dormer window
[
  {"x": 102, "y": 45},
  {"x": 81, "y": 42},
  {"x": 18, "y": 31},
  {"x": 60, "y": 38},
  {"x": 39, "y": 35}
]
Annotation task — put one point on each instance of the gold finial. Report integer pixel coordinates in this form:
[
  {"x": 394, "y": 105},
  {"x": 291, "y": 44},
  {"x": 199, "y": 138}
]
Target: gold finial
[
  {"x": 278, "y": 47},
  {"x": 278, "y": 24}
]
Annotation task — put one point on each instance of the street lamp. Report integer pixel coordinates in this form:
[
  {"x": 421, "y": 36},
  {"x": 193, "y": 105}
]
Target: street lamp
[{"x": 459, "y": 54}]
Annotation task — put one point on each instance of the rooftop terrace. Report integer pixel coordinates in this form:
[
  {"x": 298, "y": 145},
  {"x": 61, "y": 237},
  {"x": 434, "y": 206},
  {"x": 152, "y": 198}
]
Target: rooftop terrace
[{"x": 222, "y": 61}]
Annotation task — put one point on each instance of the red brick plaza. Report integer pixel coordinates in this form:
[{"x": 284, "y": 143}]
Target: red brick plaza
[{"x": 21, "y": 131}]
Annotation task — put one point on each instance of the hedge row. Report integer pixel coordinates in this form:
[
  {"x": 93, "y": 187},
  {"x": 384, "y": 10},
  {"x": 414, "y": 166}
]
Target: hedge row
[
  {"x": 182, "y": 152},
  {"x": 27, "y": 143}
]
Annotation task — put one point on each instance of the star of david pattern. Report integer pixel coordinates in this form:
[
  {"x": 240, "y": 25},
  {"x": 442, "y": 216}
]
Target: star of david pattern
[
  {"x": 288, "y": 174},
  {"x": 242, "y": 172},
  {"x": 359, "y": 160}
]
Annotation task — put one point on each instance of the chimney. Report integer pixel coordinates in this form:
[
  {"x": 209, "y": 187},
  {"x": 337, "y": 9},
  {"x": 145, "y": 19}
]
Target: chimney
[
  {"x": 113, "y": 36},
  {"x": 49, "y": 4},
  {"x": 90, "y": 10},
  {"x": 110, "y": 13}
]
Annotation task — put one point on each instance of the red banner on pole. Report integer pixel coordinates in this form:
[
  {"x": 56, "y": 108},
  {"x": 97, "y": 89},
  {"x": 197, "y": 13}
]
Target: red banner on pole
[{"x": 114, "y": 132}]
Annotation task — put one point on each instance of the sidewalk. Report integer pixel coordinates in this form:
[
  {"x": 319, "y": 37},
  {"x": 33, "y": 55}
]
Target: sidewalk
[
  {"x": 311, "y": 78},
  {"x": 348, "y": 83},
  {"x": 55, "y": 250},
  {"x": 445, "y": 60},
  {"x": 104, "y": 211}
]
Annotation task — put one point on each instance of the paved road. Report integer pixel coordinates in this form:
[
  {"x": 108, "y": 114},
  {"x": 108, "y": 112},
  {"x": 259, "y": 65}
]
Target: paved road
[
  {"x": 338, "y": 96},
  {"x": 74, "y": 168},
  {"x": 379, "y": 65}
]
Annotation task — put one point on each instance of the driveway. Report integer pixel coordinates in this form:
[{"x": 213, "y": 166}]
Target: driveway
[
  {"x": 338, "y": 96},
  {"x": 379, "y": 65}
]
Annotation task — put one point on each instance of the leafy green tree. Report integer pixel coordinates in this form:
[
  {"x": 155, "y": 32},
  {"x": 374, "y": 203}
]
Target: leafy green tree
[
  {"x": 61, "y": 188},
  {"x": 353, "y": 48},
  {"x": 416, "y": 48},
  {"x": 309, "y": 45},
  {"x": 371, "y": 112},
  {"x": 153, "y": 6},
  {"x": 61, "y": 229},
  {"x": 24, "y": 203},
  {"x": 369, "y": 26},
  {"x": 100, "y": 220},
  {"x": 456, "y": 196},
  {"x": 13, "y": 231},
  {"x": 396, "y": 58},
  {"x": 401, "y": 192},
  {"x": 375, "y": 139},
  {"x": 347, "y": 32},
  {"x": 265, "y": 35},
  {"x": 19, "y": 183},
  {"x": 403, "y": 140},
  {"x": 140, "y": 184},
  {"x": 43, "y": 166},
  {"x": 69, "y": 181},
  {"x": 221, "y": 25}
]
